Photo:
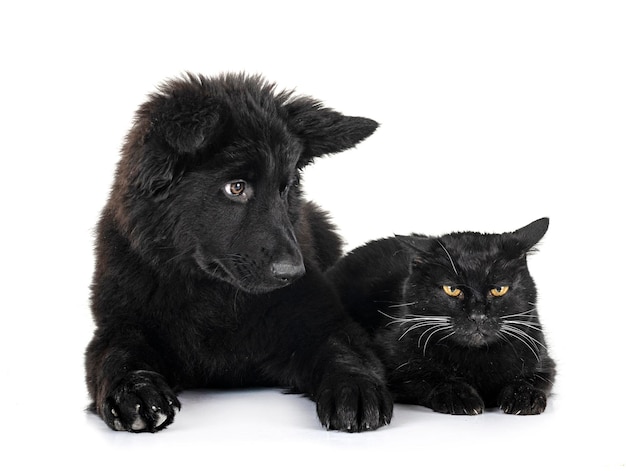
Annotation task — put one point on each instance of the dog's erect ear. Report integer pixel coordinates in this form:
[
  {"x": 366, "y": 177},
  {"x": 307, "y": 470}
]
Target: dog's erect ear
[{"x": 323, "y": 130}]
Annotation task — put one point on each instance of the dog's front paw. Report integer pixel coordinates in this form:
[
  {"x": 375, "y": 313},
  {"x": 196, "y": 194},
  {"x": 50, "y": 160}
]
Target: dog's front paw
[
  {"x": 456, "y": 398},
  {"x": 142, "y": 402},
  {"x": 354, "y": 404},
  {"x": 522, "y": 399}
]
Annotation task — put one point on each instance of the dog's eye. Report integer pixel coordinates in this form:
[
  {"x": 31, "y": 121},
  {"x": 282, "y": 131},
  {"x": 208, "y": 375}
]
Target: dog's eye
[{"x": 237, "y": 189}]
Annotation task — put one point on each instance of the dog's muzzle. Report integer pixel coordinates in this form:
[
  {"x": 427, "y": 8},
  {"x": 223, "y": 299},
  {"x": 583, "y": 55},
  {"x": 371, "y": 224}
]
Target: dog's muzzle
[{"x": 287, "y": 271}]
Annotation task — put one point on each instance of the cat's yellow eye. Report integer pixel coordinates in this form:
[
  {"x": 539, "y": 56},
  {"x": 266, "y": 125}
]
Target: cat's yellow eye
[
  {"x": 499, "y": 291},
  {"x": 452, "y": 291}
]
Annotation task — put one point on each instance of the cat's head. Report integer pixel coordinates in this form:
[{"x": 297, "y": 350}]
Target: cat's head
[{"x": 472, "y": 289}]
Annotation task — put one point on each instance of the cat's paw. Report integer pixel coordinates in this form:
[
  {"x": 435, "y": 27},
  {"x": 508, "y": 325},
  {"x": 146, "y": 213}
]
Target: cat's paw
[
  {"x": 142, "y": 402},
  {"x": 522, "y": 399},
  {"x": 354, "y": 404},
  {"x": 456, "y": 398}
]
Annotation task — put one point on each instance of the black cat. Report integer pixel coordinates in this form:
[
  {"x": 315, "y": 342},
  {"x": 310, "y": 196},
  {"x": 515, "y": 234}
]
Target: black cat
[{"x": 454, "y": 318}]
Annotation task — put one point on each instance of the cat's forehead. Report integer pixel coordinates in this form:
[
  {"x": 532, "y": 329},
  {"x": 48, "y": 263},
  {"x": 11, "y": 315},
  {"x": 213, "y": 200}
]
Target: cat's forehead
[
  {"x": 471, "y": 253},
  {"x": 472, "y": 244}
]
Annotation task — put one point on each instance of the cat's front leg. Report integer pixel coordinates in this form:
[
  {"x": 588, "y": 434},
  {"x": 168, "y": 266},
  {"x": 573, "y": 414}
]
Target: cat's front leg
[
  {"x": 456, "y": 398},
  {"x": 415, "y": 382},
  {"x": 442, "y": 395},
  {"x": 522, "y": 399}
]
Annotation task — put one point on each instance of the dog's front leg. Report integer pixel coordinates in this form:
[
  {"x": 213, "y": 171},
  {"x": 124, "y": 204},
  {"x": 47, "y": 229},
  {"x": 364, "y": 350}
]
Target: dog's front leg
[
  {"x": 351, "y": 394},
  {"x": 329, "y": 357},
  {"x": 129, "y": 394}
]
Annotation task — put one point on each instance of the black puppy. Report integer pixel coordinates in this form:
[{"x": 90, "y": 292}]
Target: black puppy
[{"x": 208, "y": 261}]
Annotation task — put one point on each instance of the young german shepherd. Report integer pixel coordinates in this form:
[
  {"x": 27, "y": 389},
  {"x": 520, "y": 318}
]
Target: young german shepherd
[{"x": 209, "y": 263}]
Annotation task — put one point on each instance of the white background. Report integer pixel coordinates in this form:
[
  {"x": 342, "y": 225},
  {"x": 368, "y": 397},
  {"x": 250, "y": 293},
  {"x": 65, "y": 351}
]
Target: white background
[{"x": 492, "y": 114}]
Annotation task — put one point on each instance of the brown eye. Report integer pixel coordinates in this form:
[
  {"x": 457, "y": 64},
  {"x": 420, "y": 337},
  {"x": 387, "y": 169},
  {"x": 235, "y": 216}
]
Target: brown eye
[
  {"x": 236, "y": 188},
  {"x": 452, "y": 291},
  {"x": 499, "y": 291}
]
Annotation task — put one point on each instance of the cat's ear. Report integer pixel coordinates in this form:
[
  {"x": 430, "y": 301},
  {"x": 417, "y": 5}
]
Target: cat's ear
[
  {"x": 528, "y": 236},
  {"x": 324, "y": 131},
  {"x": 416, "y": 245}
]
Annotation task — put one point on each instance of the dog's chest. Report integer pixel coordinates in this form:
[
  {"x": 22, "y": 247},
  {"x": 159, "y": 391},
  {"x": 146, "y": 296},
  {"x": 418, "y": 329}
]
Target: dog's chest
[{"x": 219, "y": 344}]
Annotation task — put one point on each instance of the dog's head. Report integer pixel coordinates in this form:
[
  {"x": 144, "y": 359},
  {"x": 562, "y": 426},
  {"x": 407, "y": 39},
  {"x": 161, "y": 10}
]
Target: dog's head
[{"x": 209, "y": 176}]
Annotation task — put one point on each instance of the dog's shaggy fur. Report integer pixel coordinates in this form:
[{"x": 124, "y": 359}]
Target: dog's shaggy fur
[{"x": 208, "y": 270}]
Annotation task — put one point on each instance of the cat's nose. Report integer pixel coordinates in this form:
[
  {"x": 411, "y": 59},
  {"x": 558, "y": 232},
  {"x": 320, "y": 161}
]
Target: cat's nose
[{"x": 478, "y": 317}]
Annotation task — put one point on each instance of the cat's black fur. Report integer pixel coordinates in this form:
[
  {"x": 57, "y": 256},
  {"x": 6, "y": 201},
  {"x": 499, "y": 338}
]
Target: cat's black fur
[
  {"x": 209, "y": 262},
  {"x": 455, "y": 354}
]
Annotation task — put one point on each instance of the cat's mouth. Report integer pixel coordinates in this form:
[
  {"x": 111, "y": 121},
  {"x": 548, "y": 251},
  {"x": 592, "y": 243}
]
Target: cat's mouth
[
  {"x": 477, "y": 339},
  {"x": 477, "y": 336}
]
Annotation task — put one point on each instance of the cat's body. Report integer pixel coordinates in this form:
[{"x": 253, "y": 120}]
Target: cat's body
[{"x": 454, "y": 318}]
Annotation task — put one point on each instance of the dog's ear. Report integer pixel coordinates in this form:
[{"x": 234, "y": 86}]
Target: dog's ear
[
  {"x": 324, "y": 131},
  {"x": 186, "y": 120},
  {"x": 171, "y": 127}
]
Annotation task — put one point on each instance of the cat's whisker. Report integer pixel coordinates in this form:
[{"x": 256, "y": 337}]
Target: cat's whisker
[
  {"x": 432, "y": 326},
  {"x": 504, "y": 337},
  {"x": 422, "y": 318},
  {"x": 449, "y": 335},
  {"x": 521, "y": 314},
  {"x": 412, "y": 317},
  {"x": 517, "y": 330},
  {"x": 536, "y": 342},
  {"x": 525, "y": 343},
  {"x": 522, "y": 336},
  {"x": 417, "y": 326},
  {"x": 395, "y": 319},
  {"x": 430, "y": 318},
  {"x": 531, "y": 325},
  {"x": 403, "y": 304},
  {"x": 543, "y": 377},
  {"x": 433, "y": 333},
  {"x": 426, "y": 323},
  {"x": 402, "y": 365},
  {"x": 449, "y": 257}
]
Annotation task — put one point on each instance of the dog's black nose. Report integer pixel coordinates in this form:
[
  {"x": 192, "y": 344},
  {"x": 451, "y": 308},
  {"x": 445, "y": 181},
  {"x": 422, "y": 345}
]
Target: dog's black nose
[{"x": 287, "y": 271}]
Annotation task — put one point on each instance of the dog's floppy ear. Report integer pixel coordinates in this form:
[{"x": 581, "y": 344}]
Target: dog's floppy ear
[
  {"x": 186, "y": 119},
  {"x": 178, "y": 122},
  {"x": 324, "y": 131}
]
